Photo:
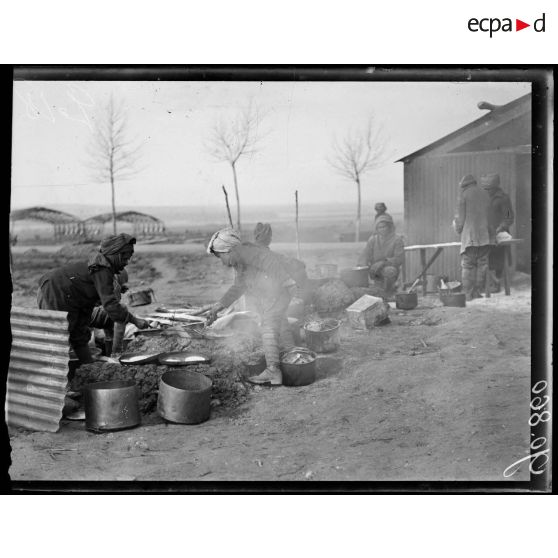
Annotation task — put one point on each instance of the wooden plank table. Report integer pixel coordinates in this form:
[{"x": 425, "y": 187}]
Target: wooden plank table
[
  {"x": 506, "y": 275},
  {"x": 423, "y": 247}
]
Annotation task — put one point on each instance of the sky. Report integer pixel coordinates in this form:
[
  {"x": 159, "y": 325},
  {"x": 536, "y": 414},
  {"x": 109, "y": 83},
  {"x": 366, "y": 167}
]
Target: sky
[{"x": 53, "y": 124}]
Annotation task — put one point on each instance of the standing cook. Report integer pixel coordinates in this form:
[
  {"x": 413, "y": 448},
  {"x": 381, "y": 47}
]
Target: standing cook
[
  {"x": 261, "y": 273},
  {"x": 78, "y": 287},
  {"x": 500, "y": 219},
  {"x": 471, "y": 222}
]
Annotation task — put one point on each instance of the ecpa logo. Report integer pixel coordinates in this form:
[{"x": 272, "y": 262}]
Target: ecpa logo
[{"x": 494, "y": 24}]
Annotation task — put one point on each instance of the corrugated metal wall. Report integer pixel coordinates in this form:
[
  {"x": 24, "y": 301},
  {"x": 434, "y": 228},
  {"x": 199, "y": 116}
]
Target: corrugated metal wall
[
  {"x": 431, "y": 188},
  {"x": 38, "y": 371}
]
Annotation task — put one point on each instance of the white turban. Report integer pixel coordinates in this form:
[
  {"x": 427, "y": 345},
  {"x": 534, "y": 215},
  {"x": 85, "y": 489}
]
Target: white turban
[{"x": 223, "y": 241}]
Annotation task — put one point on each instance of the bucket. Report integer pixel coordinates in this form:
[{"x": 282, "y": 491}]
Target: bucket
[
  {"x": 140, "y": 297},
  {"x": 256, "y": 365},
  {"x": 299, "y": 374},
  {"x": 184, "y": 397},
  {"x": 111, "y": 405},
  {"x": 355, "y": 276},
  {"x": 453, "y": 299},
  {"x": 322, "y": 336},
  {"x": 406, "y": 301},
  {"x": 326, "y": 271}
]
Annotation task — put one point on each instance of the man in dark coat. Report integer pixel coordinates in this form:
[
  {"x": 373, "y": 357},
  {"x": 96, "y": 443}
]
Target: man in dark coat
[
  {"x": 500, "y": 219},
  {"x": 261, "y": 273},
  {"x": 384, "y": 254},
  {"x": 78, "y": 287},
  {"x": 471, "y": 222}
]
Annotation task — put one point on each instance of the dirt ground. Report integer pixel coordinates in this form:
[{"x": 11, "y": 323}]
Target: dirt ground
[{"x": 439, "y": 394}]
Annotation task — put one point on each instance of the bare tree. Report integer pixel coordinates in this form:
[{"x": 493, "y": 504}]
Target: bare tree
[
  {"x": 113, "y": 154},
  {"x": 359, "y": 152},
  {"x": 231, "y": 139}
]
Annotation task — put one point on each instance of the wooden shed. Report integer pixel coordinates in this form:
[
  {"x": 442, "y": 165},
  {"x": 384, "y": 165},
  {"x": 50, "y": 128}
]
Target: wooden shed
[{"x": 499, "y": 141}]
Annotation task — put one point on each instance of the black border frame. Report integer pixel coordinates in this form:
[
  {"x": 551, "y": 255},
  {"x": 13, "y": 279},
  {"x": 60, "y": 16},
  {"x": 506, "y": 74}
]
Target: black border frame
[{"x": 542, "y": 80}]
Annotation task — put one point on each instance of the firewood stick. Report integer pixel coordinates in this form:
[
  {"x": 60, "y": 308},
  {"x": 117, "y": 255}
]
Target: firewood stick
[{"x": 228, "y": 207}]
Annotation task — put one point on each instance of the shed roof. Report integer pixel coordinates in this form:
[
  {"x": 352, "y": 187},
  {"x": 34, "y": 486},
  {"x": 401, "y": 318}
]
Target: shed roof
[
  {"x": 494, "y": 119},
  {"x": 43, "y": 214},
  {"x": 128, "y": 216}
]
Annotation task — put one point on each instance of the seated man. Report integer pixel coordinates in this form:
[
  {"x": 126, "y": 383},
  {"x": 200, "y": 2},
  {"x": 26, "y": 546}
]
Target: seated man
[{"x": 384, "y": 253}]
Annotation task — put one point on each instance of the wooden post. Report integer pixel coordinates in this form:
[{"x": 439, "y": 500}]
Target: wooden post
[
  {"x": 296, "y": 223},
  {"x": 423, "y": 264},
  {"x": 228, "y": 207}
]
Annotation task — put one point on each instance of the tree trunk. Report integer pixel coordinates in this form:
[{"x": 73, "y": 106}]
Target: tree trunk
[
  {"x": 113, "y": 205},
  {"x": 359, "y": 205},
  {"x": 237, "y": 198}
]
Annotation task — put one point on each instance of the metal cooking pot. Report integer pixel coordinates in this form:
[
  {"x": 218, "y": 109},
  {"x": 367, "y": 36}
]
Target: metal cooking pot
[
  {"x": 184, "y": 397},
  {"x": 326, "y": 340},
  {"x": 111, "y": 405},
  {"x": 326, "y": 271},
  {"x": 355, "y": 276},
  {"x": 453, "y": 299},
  {"x": 406, "y": 301},
  {"x": 299, "y": 374}
]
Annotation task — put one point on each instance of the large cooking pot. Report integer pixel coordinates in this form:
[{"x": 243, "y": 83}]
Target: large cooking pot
[
  {"x": 453, "y": 299},
  {"x": 299, "y": 374},
  {"x": 355, "y": 276},
  {"x": 326, "y": 271},
  {"x": 184, "y": 397},
  {"x": 322, "y": 336},
  {"x": 406, "y": 301},
  {"x": 111, "y": 405}
]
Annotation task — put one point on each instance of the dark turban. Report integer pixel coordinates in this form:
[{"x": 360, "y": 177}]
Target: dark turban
[
  {"x": 115, "y": 243},
  {"x": 262, "y": 234}
]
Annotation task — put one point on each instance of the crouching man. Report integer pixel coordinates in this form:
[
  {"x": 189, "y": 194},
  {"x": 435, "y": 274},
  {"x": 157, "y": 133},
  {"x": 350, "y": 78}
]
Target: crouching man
[
  {"x": 78, "y": 287},
  {"x": 384, "y": 254}
]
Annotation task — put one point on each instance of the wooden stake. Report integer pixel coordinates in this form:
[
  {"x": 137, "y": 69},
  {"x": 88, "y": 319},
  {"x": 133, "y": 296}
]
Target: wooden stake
[
  {"x": 296, "y": 222},
  {"x": 228, "y": 207}
]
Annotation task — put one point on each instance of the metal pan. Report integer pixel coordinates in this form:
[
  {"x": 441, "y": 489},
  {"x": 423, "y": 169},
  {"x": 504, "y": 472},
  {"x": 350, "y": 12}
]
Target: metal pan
[
  {"x": 182, "y": 358},
  {"x": 149, "y": 331},
  {"x": 138, "y": 358}
]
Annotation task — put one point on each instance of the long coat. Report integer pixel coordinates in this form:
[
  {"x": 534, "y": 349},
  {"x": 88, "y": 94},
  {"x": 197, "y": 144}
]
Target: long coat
[
  {"x": 76, "y": 288},
  {"x": 501, "y": 214},
  {"x": 471, "y": 218}
]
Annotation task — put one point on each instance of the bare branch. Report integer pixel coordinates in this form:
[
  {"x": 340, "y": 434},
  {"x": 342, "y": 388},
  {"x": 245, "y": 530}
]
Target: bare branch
[
  {"x": 112, "y": 154},
  {"x": 237, "y": 137}
]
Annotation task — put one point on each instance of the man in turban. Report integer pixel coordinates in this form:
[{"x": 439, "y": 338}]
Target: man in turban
[
  {"x": 262, "y": 234},
  {"x": 471, "y": 222},
  {"x": 261, "y": 273},
  {"x": 78, "y": 287}
]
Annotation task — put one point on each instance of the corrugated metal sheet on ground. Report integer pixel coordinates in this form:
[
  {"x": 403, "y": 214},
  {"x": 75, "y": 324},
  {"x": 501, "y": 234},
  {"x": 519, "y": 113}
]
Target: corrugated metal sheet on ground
[{"x": 38, "y": 371}]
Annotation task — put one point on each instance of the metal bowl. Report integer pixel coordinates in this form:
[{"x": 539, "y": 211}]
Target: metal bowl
[{"x": 138, "y": 358}]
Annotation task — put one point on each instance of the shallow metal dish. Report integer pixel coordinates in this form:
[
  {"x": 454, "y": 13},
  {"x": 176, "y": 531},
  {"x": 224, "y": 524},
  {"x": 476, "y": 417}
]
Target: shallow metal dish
[
  {"x": 149, "y": 331},
  {"x": 182, "y": 358},
  {"x": 138, "y": 358}
]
